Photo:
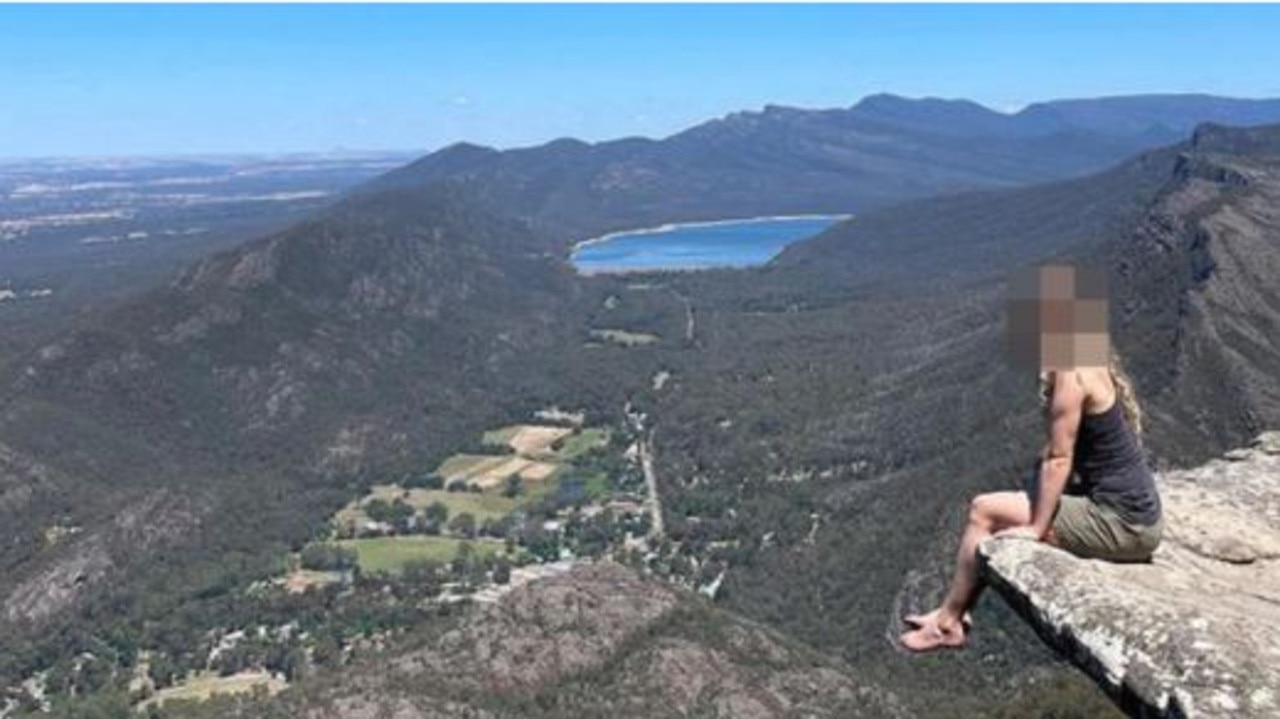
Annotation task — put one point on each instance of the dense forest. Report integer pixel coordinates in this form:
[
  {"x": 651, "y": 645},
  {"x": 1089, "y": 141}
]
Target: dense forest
[{"x": 821, "y": 423}]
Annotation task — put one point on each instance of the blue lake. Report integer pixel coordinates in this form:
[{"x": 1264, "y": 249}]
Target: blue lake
[{"x": 698, "y": 245}]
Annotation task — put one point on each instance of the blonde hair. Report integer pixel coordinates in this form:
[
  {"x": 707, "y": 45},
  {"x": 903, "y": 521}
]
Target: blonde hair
[{"x": 1125, "y": 394}]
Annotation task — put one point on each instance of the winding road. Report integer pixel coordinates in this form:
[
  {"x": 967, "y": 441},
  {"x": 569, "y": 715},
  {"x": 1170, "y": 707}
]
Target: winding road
[
  {"x": 653, "y": 501},
  {"x": 644, "y": 449},
  {"x": 689, "y": 323}
]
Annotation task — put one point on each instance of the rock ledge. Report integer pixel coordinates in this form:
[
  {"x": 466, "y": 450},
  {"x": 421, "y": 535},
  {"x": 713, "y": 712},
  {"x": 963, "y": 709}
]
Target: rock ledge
[{"x": 1195, "y": 633}]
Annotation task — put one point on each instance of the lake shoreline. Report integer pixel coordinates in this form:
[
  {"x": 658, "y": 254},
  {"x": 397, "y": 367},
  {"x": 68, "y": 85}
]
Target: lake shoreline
[{"x": 675, "y": 226}]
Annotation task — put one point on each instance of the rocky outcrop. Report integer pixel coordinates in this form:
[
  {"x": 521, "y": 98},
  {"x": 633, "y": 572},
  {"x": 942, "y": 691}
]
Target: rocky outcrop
[
  {"x": 595, "y": 641},
  {"x": 1194, "y": 633},
  {"x": 78, "y": 566}
]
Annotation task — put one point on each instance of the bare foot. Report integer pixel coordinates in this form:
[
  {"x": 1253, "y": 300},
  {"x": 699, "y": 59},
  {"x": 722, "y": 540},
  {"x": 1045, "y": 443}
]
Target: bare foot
[
  {"x": 932, "y": 637},
  {"x": 921, "y": 620}
]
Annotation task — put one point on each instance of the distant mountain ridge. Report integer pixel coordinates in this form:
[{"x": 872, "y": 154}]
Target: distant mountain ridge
[
  {"x": 782, "y": 160},
  {"x": 1175, "y": 114},
  {"x": 1161, "y": 118}
]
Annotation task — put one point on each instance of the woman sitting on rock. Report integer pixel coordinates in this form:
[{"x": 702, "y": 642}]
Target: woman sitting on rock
[{"x": 1058, "y": 321}]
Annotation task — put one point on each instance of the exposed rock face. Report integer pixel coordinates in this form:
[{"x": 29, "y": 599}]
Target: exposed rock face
[
  {"x": 597, "y": 641},
  {"x": 1199, "y": 321},
  {"x": 1195, "y": 633},
  {"x": 91, "y": 559}
]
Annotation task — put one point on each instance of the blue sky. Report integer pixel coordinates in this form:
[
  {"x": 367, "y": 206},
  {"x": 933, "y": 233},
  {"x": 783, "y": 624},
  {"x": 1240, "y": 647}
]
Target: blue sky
[{"x": 117, "y": 80}]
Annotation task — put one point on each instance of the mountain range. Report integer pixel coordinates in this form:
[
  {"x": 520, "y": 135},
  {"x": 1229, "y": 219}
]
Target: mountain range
[
  {"x": 783, "y": 160},
  {"x": 825, "y": 420}
]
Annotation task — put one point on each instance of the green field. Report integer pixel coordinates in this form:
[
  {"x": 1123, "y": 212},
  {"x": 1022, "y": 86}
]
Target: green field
[
  {"x": 482, "y": 506},
  {"x": 578, "y": 444},
  {"x": 597, "y": 486},
  {"x": 487, "y": 505},
  {"x": 391, "y": 554},
  {"x": 469, "y": 464},
  {"x": 501, "y": 436}
]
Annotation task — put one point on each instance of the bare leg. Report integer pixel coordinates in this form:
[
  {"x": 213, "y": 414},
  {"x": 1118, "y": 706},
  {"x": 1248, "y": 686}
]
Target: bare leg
[{"x": 988, "y": 514}]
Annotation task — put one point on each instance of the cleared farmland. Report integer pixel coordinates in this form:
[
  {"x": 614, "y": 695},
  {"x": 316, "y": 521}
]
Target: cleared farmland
[
  {"x": 482, "y": 506},
  {"x": 203, "y": 686},
  {"x": 392, "y": 554}
]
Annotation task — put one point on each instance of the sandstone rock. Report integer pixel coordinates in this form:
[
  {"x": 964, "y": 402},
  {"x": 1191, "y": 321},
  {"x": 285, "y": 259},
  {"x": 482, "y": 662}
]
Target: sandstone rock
[
  {"x": 1194, "y": 633},
  {"x": 1268, "y": 442}
]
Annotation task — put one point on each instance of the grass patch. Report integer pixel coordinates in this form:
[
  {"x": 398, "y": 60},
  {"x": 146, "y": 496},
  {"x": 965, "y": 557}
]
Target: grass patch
[
  {"x": 466, "y": 465},
  {"x": 578, "y": 444},
  {"x": 501, "y": 436},
  {"x": 534, "y": 491},
  {"x": 584, "y": 485},
  {"x": 490, "y": 472},
  {"x": 202, "y": 686},
  {"x": 597, "y": 486},
  {"x": 391, "y": 554},
  {"x": 482, "y": 506}
]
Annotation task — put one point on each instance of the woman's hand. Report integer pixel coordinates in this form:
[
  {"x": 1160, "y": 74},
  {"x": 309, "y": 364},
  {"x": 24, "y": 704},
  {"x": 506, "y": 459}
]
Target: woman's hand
[{"x": 1025, "y": 531}]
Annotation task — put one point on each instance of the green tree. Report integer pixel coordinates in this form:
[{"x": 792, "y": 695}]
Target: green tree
[
  {"x": 101, "y": 705},
  {"x": 326, "y": 651},
  {"x": 396, "y": 513},
  {"x": 463, "y": 525},
  {"x": 327, "y": 557},
  {"x": 377, "y": 509},
  {"x": 513, "y": 487},
  {"x": 502, "y": 571},
  {"x": 162, "y": 670},
  {"x": 437, "y": 512},
  {"x": 430, "y": 480}
]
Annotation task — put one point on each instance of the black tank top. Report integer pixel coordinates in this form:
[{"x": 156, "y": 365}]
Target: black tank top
[{"x": 1112, "y": 469}]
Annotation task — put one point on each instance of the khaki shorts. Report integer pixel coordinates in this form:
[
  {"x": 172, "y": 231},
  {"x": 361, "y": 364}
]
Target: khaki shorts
[{"x": 1095, "y": 531}]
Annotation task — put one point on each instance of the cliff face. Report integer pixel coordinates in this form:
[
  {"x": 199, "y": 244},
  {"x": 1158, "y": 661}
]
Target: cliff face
[
  {"x": 1198, "y": 306},
  {"x": 1195, "y": 633},
  {"x": 1188, "y": 235}
]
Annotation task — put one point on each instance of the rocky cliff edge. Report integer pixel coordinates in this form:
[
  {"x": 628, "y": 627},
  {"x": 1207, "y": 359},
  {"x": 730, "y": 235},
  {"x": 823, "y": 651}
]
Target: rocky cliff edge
[{"x": 1194, "y": 633}]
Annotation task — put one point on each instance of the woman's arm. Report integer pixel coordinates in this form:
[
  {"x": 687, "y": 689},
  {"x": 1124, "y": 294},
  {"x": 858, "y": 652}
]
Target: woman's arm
[{"x": 1055, "y": 463}]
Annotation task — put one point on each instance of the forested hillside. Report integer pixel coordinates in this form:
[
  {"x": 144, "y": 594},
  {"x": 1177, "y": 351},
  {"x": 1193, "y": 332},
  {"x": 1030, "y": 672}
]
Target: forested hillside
[
  {"x": 784, "y": 160},
  {"x": 815, "y": 426}
]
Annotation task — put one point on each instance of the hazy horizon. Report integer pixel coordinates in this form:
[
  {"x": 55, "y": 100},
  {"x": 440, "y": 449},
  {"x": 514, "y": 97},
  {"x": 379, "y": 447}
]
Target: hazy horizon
[
  {"x": 145, "y": 81},
  {"x": 384, "y": 151}
]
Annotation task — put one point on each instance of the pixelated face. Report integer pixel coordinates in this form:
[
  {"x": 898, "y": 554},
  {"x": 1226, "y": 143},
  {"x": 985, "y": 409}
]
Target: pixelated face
[{"x": 1057, "y": 318}]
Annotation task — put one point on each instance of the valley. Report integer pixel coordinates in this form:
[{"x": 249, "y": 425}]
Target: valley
[
  {"x": 453, "y": 534},
  {"x": 339, "y": 442},
  {"x": 81, "y": 233}
]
